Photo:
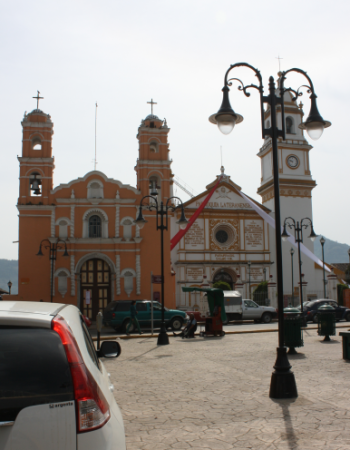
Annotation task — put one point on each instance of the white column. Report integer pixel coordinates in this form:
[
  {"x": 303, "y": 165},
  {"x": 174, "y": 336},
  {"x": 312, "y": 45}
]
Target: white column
[
  {"x": 53, "y": 223},
  {"x": 117, "y": 278},
  {"x": 117, "y": 220},
  {"x": 72, "y": 217},
  {"x": 138, "y": 274},
  {"x": 72, "y": 276}
]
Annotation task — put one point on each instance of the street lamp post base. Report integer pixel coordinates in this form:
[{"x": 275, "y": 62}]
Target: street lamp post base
[
  {"x": 163, "y": 338},
  {"x": 282, "y": 380}
]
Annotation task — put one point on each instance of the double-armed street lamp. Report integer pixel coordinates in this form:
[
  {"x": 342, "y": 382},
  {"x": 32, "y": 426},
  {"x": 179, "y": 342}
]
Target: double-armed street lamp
[
  {"x": 53, "y": 247},
  {"x": 298, "y": 235},
  {"x": 291, "y": 255},
  {"x": 322, "y": 241},
  {"x": 161, "y": 213},
  {"x": 282, "y": 381}
]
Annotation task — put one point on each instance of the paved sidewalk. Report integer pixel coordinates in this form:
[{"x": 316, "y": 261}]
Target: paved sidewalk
[{"x": 213, "y": 394}]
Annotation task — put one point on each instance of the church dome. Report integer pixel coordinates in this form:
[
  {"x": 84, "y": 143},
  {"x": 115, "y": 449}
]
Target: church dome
[{"x": 152, "y": 117}]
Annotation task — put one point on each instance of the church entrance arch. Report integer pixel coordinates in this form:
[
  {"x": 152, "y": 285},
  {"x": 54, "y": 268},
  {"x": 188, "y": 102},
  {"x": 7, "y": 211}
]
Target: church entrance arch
[
  {"x": 95, "y": 287},
  {"x": 226, "y": 275}
]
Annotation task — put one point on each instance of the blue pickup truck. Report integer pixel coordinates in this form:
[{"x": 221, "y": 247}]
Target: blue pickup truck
[{"x": 117, "y": 315}]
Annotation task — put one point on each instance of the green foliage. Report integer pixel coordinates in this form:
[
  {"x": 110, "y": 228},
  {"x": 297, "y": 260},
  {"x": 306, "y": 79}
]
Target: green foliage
[
  {"x": 222, "y": 285},
  {"x": 340, "y": 288},
  {"x": 259, "y": 291}
]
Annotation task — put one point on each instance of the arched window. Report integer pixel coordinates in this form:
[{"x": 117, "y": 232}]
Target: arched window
[
  {"x": 128, "y": 282},
  {"x": 36, "y": 143},
  {"x": 153, "y": 147},
  {"x": 290, "y": 125},
  {"x": 95, "y": 189},
  {"x": 154, "y": 186},
  {"x": 35, "y": 184},
  {"x": 62, "y": 283},
  {"x": 95, "y": 226}
]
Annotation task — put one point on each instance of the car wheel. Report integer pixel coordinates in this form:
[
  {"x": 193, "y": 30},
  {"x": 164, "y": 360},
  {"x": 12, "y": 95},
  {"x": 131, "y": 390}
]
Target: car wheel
[
  {"x": 126, "y": 324},
  {"x": 315, "y": 319},
  {"x": 347, "y": 317},
  {"x": 176, "y": 324},
  {"x": 266, "y": 318}
]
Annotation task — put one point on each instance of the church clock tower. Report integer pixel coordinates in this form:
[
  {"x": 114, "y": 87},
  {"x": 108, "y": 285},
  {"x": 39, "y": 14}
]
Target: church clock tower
[{"x": 295, "y": 179}]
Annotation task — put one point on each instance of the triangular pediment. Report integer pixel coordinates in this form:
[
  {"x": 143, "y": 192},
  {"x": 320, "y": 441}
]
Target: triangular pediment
[{"x": 226, "y": 196}]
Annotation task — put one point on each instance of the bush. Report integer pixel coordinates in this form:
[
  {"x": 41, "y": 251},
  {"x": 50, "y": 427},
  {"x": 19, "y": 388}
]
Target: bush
[
  {"x": 222, "y": 285},
  {"x": 340, "y": 288},
  {"x": 259, "y": 291}
]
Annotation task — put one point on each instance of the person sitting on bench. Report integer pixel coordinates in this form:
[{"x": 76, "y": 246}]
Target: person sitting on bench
[{"x": 189, "y": 329}]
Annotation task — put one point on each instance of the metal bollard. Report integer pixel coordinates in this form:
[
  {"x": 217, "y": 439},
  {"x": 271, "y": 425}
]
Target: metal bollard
[
  {"x": 99, "y": 323},
  {"x": 293, "y": 334},
  {"x": 326, "y": 322}
]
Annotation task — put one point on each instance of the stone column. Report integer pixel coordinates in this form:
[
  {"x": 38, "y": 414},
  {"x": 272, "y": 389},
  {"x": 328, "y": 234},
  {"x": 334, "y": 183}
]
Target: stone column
[
  {"x": 117, "y": 220},
  {"x": 239, "y": 286},
  {"x": 332, "y": 286},
  {"x": 72, "y": 218},
  {"x": 53, "y": 223}
]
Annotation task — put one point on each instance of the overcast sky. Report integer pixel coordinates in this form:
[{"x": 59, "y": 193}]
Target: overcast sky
[{"x": 121, "y": 54}]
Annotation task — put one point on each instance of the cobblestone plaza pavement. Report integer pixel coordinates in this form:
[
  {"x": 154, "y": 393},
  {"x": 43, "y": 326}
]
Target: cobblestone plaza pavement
[{"x": 213, "y": 393}]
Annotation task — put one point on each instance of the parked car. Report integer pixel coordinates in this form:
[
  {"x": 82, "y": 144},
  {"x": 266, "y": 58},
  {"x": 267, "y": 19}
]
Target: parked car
[
  {"x": 311, "y": 310},
  {"x": 237, "y": 308},
  {"x": 117, "y": 315},
  {"x": 55, "y": 391}
]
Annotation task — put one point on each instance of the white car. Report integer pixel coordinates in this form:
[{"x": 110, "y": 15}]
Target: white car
[{"x": 55, "y": 393}]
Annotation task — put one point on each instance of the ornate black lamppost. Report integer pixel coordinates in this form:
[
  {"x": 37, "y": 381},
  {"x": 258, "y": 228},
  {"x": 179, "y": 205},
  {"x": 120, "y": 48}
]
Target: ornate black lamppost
[
  {"x": 249, "y": 264},
  {"x": 323, "y": 240},
  {"x": 9, "y": 284},
  {"x": 298, "y": 234},
  {"x": 292, "y": 254},
  {"x": 282, "y": 382},
  {"x": 161, "y": 211},
  {"x": 53, "y": 247}
]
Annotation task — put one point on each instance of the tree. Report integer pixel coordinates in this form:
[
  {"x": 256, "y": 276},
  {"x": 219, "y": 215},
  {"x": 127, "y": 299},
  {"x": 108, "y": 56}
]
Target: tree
[{"x": 222, "y": 285}]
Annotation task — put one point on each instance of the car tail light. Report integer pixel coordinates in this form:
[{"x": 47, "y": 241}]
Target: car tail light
[
  {"x": 92, "y": 407},
  {"x": 309, "y": 312},
  {"x": 113, "y": 315}
]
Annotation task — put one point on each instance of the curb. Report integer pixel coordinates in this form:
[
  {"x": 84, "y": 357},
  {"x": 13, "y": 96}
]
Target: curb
[{"x": 137, "y": 336}]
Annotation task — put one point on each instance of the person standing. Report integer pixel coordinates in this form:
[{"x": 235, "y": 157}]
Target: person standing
[{"x": 133, "y": 318}]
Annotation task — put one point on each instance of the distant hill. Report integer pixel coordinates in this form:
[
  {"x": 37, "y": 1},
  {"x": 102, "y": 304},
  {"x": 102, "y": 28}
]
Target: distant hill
[
  {"x": 9, "y": 272},
  {"x": 334, "y": 253}
]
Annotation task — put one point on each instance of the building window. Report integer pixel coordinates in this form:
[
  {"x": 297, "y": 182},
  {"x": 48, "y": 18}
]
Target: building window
[
  {"x": 290, "y": 125},
  {"x": 35, "y": 186},
  {"x": 95, "y": 189},
  {"x": 128, "y": 282},
  {"x": 62, "y": 283},
  {"x": 36, "y": 143},
  {"x": 224, "y": 235},
  {"x": 63, "y": 229},
  {"x": 154, "y": 186},
  {"x": 95, "y": 227},
  {"x": 153, "y": 147}
]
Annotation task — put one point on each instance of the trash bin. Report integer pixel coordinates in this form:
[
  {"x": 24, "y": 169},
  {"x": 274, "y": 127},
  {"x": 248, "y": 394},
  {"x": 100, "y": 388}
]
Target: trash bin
[
  {"x": 293, "y": 334},
  {"x": 326, "y": 322},
  {"x": 346, "y": 344}
]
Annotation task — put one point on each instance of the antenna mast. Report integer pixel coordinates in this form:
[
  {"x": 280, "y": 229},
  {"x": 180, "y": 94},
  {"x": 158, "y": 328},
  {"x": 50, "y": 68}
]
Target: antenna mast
[{"x": 95, "y": 161}]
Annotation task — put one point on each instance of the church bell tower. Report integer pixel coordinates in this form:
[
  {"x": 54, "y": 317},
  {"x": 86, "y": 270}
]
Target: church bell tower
[{"x": 153, "y": 165}]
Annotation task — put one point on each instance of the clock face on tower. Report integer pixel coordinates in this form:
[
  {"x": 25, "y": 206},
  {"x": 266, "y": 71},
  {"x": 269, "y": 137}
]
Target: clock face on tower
[{"x": 293, "y": 161}]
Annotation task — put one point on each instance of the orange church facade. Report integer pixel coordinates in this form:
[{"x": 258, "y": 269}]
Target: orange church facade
[{"x": 109, "y": 258}]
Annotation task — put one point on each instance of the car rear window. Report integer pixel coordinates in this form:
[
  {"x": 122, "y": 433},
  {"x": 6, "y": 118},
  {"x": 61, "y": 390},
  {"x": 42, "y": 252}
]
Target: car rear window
[
  {"x": 34, "y": 370},
  {"x": 122, "y": 306},
  {"x": 110, "y": 306}
]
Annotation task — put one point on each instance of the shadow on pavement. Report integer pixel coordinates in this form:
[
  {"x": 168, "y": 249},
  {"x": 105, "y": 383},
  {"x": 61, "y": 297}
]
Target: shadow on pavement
[
  {"x": 290, "y": 435},
  {"x": 296, "y": 356}
]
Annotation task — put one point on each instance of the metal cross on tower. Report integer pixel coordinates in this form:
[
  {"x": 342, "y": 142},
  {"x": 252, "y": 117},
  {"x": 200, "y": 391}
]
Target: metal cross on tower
[
  {"x": 152, "y": 103},
  {"x": 37, "y": 99},
  {"x": 279, "y": 62}
]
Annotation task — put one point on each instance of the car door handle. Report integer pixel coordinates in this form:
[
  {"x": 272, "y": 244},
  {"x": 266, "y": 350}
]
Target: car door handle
[{"x": 6, "y": 424}]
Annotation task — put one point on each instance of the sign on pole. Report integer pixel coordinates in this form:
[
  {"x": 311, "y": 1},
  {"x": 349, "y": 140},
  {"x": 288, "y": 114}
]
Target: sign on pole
[{"x": 156, "y": 279}]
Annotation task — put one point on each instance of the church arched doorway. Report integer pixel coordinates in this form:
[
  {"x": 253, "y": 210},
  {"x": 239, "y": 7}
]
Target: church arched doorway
[
  {"x": 225, "y": 275},
  {"x": 95, "y": 287}
]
